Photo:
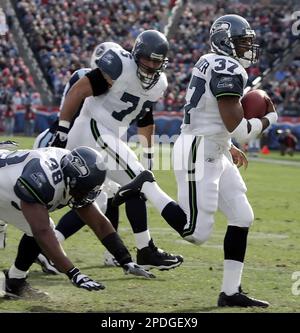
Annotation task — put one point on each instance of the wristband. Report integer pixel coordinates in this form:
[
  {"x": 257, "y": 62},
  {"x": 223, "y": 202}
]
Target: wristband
[
  {"x": 71, "y": 272},
  {"x": 272, "y": 117},
  {"x": 64, "y": 123}
]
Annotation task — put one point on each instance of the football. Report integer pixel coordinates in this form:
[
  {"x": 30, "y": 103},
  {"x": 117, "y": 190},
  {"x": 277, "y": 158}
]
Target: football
[{"x": 254, "y": 104}]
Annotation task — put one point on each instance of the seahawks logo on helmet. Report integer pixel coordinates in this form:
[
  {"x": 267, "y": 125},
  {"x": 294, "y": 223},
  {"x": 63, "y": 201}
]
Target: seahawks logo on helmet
[
  {"x": 222, "y": 25},
  {"x": 80, "y": 165}
]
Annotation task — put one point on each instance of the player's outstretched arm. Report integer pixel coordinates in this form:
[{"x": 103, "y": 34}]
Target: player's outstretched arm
[{"x": 38, "y": 218}]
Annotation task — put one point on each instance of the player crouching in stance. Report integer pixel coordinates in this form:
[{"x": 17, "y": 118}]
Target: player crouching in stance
[
  {"x": 208, "y": 178},
  {"x": 36, "y": 182}
]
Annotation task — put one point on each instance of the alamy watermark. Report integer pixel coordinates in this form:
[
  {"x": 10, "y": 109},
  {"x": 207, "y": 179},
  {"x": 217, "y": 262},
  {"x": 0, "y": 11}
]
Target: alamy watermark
[
  {"x": 183, "y": 153},
  {"x": 296, "y": 24}
]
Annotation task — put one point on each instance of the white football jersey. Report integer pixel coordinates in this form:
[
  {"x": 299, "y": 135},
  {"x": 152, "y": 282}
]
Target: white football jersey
[
  {"x": 213, "y": 76},
  {"x": 126, "y": 100},
  {"x": 33, "y": 176}
]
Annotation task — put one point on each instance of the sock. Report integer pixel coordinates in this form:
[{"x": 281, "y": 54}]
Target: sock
[
  {"x": 156, "y": 195},
  {"x": 15, "y": 273},
  {"x": 136, "y": 212},
  {"x": 174, "y": 216},
  {"x": 69, "y": 224},
  {"x": 114, "y": 244},
  {"x": 112, "y": 213},
  {"x": 142, "y": 239},
  {"x": 235, "y": 244},
  {"x": 28, "y": 250},
  {"x": 232, "y": 276}
]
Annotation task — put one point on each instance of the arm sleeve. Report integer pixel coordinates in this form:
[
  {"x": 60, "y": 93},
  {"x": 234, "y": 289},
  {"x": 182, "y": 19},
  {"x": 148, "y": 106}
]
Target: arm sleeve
[
  {"x": 33, "y": 185},
  {"x": 146, "y": 120},
  {"x": 98, "y": 82},
  {"x": 226, "y": 85}
]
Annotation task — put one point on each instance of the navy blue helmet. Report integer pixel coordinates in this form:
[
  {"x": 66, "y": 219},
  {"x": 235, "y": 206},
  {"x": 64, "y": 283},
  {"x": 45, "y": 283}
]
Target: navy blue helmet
[
  {"x": 153, "y": 45},
  {"x": 231, "y": 35},
  {"x": 84, "y": 172}
]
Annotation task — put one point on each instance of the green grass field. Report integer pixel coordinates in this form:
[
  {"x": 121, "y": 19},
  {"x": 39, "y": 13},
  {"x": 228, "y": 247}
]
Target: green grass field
[{"x": 272, "y": 257}]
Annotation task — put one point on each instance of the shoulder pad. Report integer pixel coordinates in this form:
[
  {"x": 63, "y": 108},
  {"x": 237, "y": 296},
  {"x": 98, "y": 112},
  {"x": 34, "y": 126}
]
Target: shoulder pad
[
  {"x": 33, "y": 185},
  {"x": 111, "y": 64},
  {"x": 77, "y": 75}
]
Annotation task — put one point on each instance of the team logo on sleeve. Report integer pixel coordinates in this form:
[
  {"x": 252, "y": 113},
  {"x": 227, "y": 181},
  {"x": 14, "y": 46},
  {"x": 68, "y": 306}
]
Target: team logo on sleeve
[
  {"x": 108, "y": 57},
  {"x": 225, "y": 82},
  {"x": 38, "y": 178}
]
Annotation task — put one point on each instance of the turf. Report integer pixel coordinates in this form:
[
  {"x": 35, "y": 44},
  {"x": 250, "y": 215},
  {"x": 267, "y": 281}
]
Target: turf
[{"x": 272, "y": 257}]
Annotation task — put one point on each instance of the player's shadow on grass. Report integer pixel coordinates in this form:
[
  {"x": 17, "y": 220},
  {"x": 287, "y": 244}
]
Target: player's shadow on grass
[{"x": 41, "y": 278}]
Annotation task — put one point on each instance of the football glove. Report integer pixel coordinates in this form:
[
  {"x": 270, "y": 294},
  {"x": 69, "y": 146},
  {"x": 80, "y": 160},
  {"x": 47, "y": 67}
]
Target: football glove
[
  {"x": 60, "y": 137},
  {"x": 83, "y": 281},
  {"x": 135, "y": 269}
]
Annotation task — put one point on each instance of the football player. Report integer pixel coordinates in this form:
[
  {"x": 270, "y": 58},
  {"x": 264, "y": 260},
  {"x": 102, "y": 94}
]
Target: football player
[
  {"x": 70, "y": 223},
  {"x": 122, "y": 89},
  {"x": 36, "y": 182},
  {"x": 5, "y": 145},
  {"x": 206, "y": 173}
]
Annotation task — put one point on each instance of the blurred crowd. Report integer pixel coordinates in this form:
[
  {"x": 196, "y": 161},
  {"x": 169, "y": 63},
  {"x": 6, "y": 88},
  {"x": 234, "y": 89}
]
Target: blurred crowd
[
  {"x": 284, "y": 88},
  {"x": 63, "y": 34}
]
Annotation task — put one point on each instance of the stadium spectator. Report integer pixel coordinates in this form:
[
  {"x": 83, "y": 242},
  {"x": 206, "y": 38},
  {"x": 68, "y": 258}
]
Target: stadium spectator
[
  {"x": 9, "y": 119},
  {"x": 34, "y": 182},
  {"x": 287, "y": 141},
  {"x": 29, "y": 120}
]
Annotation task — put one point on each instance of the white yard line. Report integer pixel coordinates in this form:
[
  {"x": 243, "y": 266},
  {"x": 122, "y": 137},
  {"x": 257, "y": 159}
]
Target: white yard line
[
  {"x": 216, "y": 234},
  {"x": 271, "y": 161}
]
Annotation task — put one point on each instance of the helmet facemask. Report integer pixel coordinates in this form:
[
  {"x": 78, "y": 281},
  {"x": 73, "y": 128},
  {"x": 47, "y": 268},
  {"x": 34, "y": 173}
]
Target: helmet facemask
[
  {"x": 149, "y": 75},
  {"x": 244, "y": 49},
  {"x": 80, "y": 199}
]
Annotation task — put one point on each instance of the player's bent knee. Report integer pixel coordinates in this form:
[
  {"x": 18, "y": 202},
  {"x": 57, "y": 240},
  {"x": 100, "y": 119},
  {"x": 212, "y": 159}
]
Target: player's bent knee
[
  {"x": 244, "y": 216},
  {"x": 202, "y": 230}
]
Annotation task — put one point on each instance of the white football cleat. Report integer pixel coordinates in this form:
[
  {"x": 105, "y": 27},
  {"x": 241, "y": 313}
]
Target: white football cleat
[
  {"x": 47, "y": 265},
  {"x": 2, "y": 234},
  {"x": 110, "y": 260}
]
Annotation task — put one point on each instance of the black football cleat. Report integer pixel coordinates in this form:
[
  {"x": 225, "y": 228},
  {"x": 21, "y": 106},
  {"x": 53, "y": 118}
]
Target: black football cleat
[
  {"x": 241, "y": 300},
  {"x": 20, "y": 288},
  {"x": 153, "y": 257},
  {"x": 133, "y": 188}
]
